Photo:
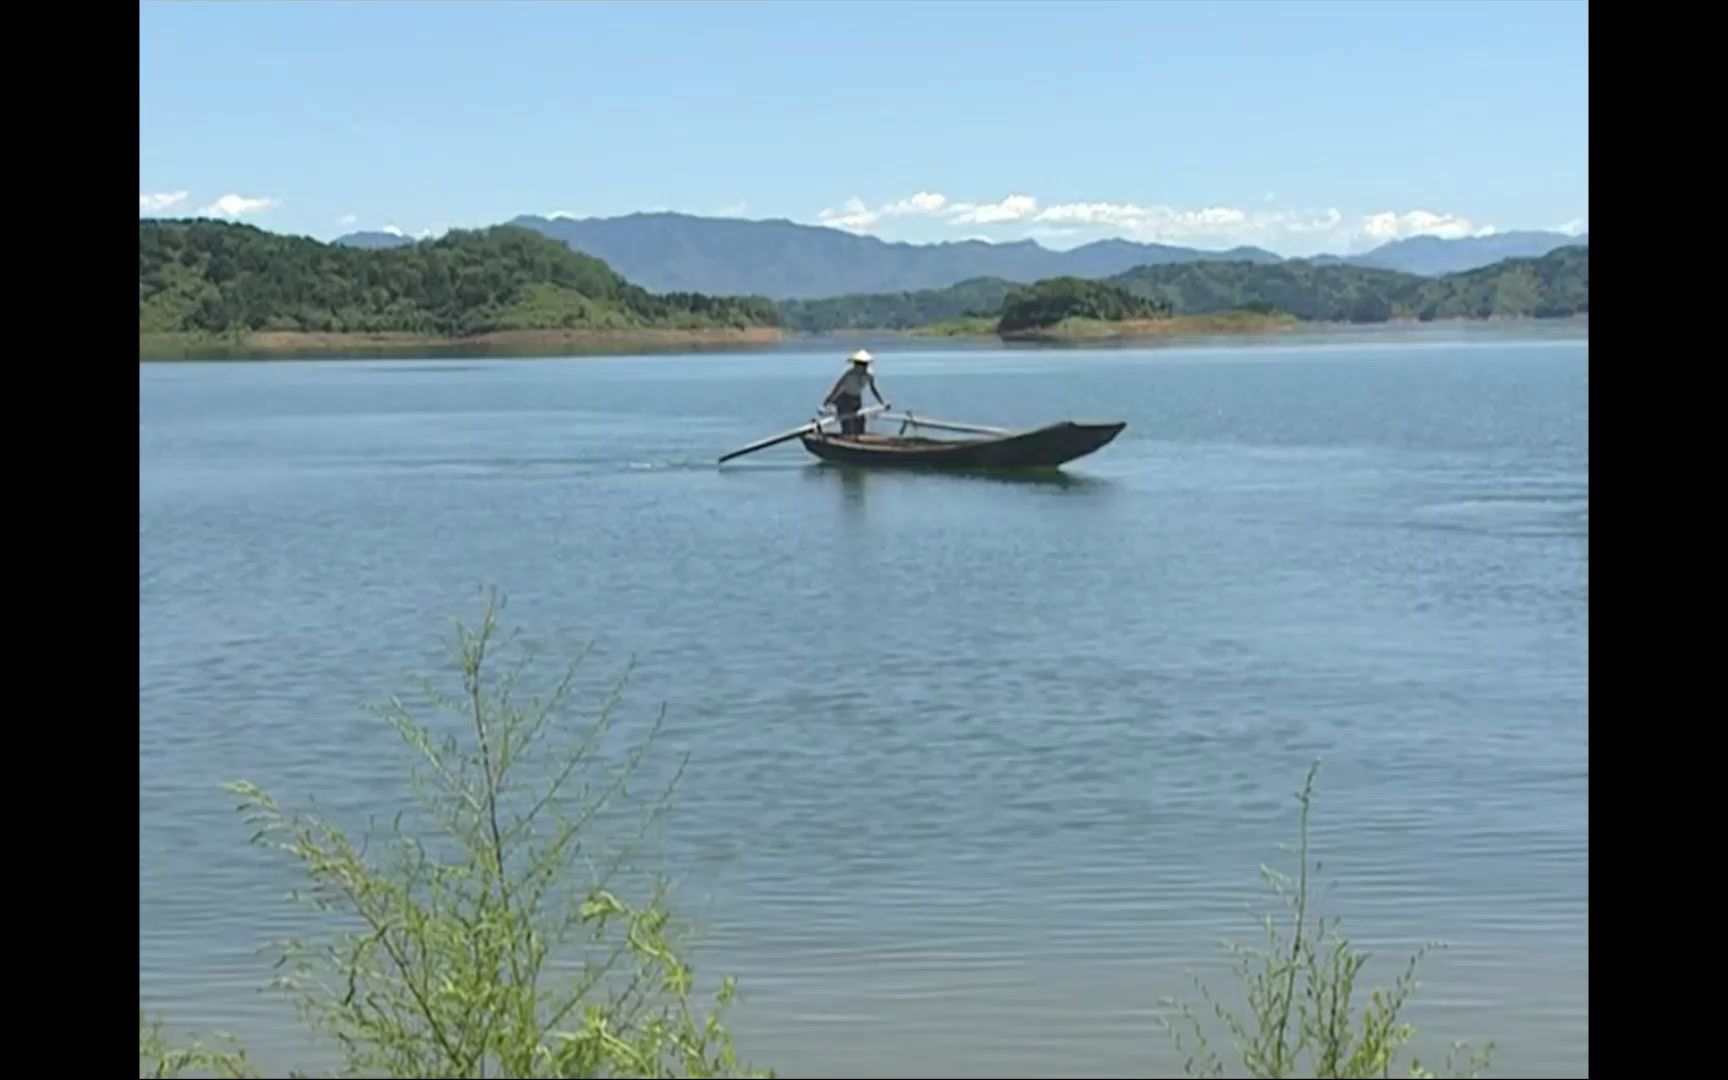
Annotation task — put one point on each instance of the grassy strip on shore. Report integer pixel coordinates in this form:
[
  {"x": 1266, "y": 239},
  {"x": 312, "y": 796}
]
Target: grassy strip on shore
[
  {"x": 978, "y": 326},
  {"x": 487, "y": 930},
  {"x": 549, "y": 342},
  {"x": 285, "y": 344},
  {"x": 1224, "y": 322}
]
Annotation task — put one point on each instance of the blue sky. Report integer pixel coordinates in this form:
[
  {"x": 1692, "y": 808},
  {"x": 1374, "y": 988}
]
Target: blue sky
[{"x": 1302, "y": 127}]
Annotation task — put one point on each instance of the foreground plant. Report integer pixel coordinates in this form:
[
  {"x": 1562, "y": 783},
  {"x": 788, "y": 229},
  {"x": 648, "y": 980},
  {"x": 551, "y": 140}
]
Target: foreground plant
[
  {"x": 1300, "y": 990},
  {"x": 489, "y": 938},
  {"x": 159, "y": 1059},
  {"x": 497, "y": 945}
]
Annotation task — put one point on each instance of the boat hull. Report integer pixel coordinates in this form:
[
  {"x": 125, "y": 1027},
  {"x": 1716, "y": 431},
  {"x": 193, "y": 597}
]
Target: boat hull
[{"x": 1048, "y": 447}]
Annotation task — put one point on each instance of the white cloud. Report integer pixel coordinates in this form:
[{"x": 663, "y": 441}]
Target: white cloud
[
  {"x": 1314, "y": 221},
  {"x": 570, "y": 214},
  {"x": 1207, "y": 226},
  {"x": 1013, "y": 208},
  {"x": 347, "y": 219},
  {"x": 1575, "y": 227},
  {"x": 1387, "y": 226},
  {"x": 924, "y": 202},
  {"x": 1061, "y": 219},
  {"x": 393, "y": 230},
  {"x": 239, "y": 205},
  {"x": 854, "y": 216},
  {"x": 1288, "y": 231},
  {"x": 1095, "y": 213},
  {"x": 160, "y": 201},
  {"x": 732, "y": 210},
  {"x": 1147, "y": 219}
]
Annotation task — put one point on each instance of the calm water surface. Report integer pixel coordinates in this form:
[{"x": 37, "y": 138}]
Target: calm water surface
[{"x": 979, "y": 768}]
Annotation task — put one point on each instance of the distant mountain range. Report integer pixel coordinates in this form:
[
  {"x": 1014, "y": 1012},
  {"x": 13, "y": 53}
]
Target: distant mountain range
[
  {"x": 783, "y": 260},
  {"x": 373, "y": 241},
  {"x": 1432, "y": 256}
]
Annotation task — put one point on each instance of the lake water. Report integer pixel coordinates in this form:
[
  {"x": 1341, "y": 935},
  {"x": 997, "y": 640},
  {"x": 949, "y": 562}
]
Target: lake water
[{"x": 979, "y": 769}]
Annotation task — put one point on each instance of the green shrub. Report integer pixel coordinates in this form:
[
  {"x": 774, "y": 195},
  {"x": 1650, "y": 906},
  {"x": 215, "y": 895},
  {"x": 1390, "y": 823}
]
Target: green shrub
[
  {"x": 482, "y": 934},
  {"x": 1300, "y": 990},
  {"x": 157, "y": 1058}
]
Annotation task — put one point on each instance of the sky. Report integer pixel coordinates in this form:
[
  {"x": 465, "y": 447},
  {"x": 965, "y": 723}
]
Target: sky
[{"x": 1300, "y": 127}]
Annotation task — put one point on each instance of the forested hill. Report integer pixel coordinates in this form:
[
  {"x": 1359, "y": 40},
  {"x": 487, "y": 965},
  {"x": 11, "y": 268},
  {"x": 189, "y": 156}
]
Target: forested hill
[
  {"x": 898, "y": 311},
  {"x": 1056, "y": 300},
  {"x": 220, "y": 278},
  {"x": 1556, "y": 284}
]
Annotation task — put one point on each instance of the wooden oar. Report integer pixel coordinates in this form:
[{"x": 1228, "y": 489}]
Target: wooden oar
[
  {"x": 944, "y": 425},
  {"x": 775, "y": 440}
]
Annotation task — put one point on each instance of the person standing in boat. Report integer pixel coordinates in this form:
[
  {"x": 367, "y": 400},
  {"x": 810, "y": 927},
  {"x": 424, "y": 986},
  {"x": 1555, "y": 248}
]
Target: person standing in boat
[{"x": 847, "y": 397}]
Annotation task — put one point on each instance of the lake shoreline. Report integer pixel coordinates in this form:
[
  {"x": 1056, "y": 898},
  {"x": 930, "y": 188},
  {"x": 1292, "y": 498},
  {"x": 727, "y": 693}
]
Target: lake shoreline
[
  {"x": 1190, "y": 326},
  {"x": 300, "y": 344},
  {"x": 550, "y": 344}
]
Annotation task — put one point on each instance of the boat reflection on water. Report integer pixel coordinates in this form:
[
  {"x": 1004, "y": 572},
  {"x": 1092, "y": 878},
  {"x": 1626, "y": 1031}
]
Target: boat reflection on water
[
  {"x": 854, "y": 478},
  {"x": 856, "y": 485}
]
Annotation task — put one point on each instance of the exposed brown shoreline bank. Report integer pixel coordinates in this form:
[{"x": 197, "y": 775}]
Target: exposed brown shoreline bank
[
  {"x": 284, "y": 343},
  {"x": 1098, "y": 330}
]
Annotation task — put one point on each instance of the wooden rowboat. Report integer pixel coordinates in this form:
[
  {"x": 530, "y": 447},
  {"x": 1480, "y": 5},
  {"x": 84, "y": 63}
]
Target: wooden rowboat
[{"x": 1047, "y": 447}]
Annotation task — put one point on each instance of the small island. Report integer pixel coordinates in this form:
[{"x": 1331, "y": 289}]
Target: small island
[{"x": 1075, "y": 309}]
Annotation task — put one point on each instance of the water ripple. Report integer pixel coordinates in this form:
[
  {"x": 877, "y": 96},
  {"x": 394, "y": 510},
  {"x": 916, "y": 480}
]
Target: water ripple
[{"x": 980, "y": 769}]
